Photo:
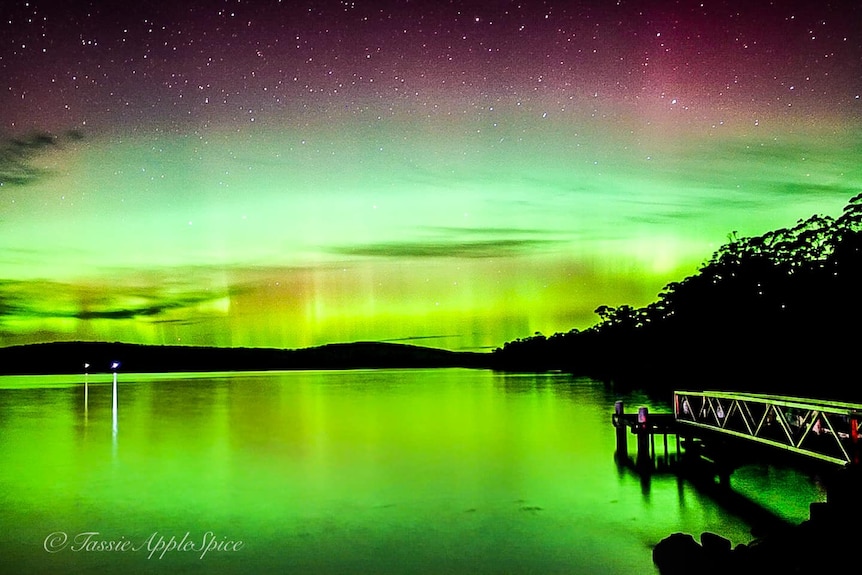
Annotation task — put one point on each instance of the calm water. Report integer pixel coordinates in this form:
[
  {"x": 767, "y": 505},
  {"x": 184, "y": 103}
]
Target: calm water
[{"x": 377, "y": 472}]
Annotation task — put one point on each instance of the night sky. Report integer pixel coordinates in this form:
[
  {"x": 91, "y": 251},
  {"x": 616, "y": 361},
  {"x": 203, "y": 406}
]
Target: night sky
[{"x": 454, "y": 174}]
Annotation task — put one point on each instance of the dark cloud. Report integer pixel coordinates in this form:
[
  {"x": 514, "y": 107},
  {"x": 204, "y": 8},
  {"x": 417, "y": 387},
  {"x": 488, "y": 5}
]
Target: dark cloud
[
  {"x": 15, "y": 157},
  {"x": 17, "y": 154},
  {"x": 39, "y": 299},
  {"x": 458, "y": 242},
  {"x": 810, "y": 188},
  {"x": 136, "y": 312},
  {"x": 498, "y": 232},
  {"x": 419, "y": 337},
  {"x": 762, "y": 156},
  {"x": 181, "y": 322},
  {"x": 491, "y": 248}
]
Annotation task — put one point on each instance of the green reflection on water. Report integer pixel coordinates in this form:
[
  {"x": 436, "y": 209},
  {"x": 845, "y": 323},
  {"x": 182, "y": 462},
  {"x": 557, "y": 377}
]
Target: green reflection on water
[{"x": 399, "y": 471}]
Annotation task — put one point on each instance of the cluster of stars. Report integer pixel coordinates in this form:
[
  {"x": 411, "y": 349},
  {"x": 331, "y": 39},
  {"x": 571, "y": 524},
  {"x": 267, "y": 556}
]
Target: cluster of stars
[{"x": 242, "y": 61}]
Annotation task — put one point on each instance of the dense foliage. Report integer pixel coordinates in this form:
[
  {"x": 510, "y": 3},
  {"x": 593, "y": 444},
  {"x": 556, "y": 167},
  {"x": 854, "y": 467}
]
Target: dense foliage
[{"x": 778, "y": 312}]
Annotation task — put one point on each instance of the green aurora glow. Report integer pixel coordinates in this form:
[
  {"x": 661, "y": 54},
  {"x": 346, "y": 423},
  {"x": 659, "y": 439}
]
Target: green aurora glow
[
  {"x": 392, "y": 229},
  {"x": 459, "y": 174}
]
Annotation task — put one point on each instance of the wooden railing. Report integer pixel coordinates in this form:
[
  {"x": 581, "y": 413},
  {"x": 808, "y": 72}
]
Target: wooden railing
[{"x": 826, "y": 430}]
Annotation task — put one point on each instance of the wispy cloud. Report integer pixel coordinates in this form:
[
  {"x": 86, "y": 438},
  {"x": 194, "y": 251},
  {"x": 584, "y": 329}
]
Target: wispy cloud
[
  {"x": 493, "y": 248},
  {"x": 52, "y": 300},
  {"x": 419, "y": 338},
  {"x": 457, "y": 242},
  {"x": 16, "y": 155}
]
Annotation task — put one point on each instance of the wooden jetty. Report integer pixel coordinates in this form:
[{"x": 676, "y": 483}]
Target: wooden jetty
[{"x": 717, "y": 432}]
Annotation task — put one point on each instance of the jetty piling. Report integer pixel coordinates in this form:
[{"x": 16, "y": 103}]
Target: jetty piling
[
  {"x": 622, "y": 437},
  {"x": 645, "y": 426},
  {"x": 646, "y": 443}
]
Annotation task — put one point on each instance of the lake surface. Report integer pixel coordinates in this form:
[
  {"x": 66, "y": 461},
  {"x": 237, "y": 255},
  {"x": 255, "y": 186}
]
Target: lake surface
[{"x": 384, "y": 472}]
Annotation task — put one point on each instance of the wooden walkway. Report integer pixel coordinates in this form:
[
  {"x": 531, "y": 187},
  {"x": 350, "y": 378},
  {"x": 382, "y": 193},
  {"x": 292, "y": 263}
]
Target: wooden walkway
[
  {"x": 821, "y": 429},
  {"x": 715, "y": 433}
]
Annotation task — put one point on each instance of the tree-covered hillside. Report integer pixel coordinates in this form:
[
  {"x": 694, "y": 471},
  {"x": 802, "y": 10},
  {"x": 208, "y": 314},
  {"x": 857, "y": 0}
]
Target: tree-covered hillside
[{"x": 778, "y": 312}]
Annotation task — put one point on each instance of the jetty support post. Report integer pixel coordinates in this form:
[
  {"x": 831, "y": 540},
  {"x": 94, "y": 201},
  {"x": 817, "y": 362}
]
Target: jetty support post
[
  {"x": 854, "y": 438},
  {"x": 644, "y": 436},
  {"x": 620, "y": 425}
]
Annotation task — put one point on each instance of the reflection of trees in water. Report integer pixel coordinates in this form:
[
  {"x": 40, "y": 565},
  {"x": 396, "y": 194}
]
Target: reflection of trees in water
[{"x": 770, "y": 312}]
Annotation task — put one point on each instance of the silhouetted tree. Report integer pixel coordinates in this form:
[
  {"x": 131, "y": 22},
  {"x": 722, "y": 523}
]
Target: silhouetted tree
[{"x": 770, "y": 312}]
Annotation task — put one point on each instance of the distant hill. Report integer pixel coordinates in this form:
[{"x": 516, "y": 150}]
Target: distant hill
[{"x": 70, "y": 357}]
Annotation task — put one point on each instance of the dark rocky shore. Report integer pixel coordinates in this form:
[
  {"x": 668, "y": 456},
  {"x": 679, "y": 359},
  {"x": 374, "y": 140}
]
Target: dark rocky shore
[{"x": 828, "y": 542}]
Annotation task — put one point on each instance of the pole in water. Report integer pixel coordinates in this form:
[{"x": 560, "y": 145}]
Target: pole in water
[
  {"x": 114, "y": 366},
  {"x": 86, "y": 388},
  {"x": 620, "y": 424},
  {"x": 643, "y": 437},
  {"x": 643, "y": 412},
  {"x": 854, "y": 437}
]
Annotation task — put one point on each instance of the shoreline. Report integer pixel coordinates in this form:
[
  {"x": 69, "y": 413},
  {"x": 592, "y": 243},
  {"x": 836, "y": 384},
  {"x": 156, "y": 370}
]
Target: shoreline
[{"x": 823, "y": 543}]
